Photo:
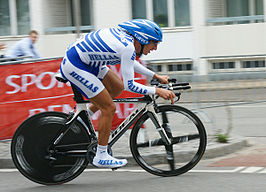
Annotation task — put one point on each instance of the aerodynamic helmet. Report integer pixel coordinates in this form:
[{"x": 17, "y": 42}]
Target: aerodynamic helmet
[{"x": 143, "y": 30}]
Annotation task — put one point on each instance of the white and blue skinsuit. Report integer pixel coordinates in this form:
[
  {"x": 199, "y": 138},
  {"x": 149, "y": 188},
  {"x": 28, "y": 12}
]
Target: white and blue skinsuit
[{"x": 84, "y": 64}]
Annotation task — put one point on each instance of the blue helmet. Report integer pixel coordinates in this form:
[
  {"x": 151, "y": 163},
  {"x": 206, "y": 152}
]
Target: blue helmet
[{"x": 143, "y": 30}]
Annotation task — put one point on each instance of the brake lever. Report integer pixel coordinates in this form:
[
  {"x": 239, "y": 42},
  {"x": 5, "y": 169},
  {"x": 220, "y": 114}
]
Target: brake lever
[
  {"x": 172, "y": 80},
  {"x": 178, "y": 95}
]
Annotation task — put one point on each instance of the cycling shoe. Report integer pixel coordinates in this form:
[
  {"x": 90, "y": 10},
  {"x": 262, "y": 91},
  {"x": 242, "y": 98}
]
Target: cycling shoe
[{"x": 108, "y": 162}]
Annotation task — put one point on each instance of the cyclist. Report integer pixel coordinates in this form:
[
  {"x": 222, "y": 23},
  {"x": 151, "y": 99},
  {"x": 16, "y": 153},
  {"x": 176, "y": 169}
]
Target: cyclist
[{"x": 84, "y": 65}]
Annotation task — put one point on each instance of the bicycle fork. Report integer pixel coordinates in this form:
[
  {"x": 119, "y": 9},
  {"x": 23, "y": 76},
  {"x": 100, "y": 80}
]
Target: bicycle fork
[
  {"x": 152, "y": 114},
  {"x": 165, "y": 133}
]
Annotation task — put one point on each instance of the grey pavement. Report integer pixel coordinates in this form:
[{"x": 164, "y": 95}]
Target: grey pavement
[{"x": 121, "y": 149}]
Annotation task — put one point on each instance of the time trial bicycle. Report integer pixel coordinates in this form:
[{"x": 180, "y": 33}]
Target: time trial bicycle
[{"x": 54, "y": 147}]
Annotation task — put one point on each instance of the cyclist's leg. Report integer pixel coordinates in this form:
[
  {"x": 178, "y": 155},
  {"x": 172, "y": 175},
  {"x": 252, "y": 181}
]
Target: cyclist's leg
[
  {"x": 93, "y": 89},
  {"x": 104, "y": 102},
  {"x": 112, "y": 83},
  {"x": 114, "y": 87}
]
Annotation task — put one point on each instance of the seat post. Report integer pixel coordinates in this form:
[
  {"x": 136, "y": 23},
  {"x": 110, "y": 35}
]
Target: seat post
[{"x": 77, "y": 95}]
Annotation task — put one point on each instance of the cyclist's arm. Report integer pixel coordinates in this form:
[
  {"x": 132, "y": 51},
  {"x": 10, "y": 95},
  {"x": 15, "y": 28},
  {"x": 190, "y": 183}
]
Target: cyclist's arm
[
  {"x": 127, "y": 69},
  {"x": 143, "y": 70}
]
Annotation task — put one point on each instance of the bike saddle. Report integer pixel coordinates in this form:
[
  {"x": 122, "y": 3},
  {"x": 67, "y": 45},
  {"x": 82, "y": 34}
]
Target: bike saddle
[{"x": 58, "y": 76}]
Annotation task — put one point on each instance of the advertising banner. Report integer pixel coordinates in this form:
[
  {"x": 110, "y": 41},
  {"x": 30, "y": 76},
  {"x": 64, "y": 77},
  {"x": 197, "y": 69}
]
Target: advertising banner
[{"x": 30, "y": 88}]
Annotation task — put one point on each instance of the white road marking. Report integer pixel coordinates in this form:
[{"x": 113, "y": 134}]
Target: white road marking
[
  {"x": 252, "y": 169},
  {"x": 263, "y": 171},
  {"x": 237, "y": 169},
  {"x": 8, "y": 170},
  {"x": 260, "y": 170}
]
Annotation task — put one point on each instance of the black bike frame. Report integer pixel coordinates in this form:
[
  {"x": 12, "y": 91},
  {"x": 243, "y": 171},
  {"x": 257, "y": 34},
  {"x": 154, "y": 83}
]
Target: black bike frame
[
  {"x": 125, "y": 125},
  {"x": 81, "y": 111}
]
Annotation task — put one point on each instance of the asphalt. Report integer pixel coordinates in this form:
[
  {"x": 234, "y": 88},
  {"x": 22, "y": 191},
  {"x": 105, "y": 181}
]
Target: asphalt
[{"x": 121, "y": 150}]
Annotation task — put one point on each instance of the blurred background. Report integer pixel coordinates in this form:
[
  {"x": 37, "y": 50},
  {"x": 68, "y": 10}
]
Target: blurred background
[
  {"x": 200, "y": 37},
  {"x": 219, "y": 46}
]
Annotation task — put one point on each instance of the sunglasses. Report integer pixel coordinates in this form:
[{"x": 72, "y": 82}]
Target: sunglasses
[{"x": 156, "y": 43}]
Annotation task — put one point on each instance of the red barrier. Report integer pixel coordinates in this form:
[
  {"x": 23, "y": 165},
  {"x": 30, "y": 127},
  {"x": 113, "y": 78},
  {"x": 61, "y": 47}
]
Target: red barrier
[{"x": 27, "y": 89}]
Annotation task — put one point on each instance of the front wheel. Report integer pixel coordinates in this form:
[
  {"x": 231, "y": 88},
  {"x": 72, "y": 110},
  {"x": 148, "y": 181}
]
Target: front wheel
[
  {"x": 188, "y": 141},
  {"x": 32, "y": 153}
]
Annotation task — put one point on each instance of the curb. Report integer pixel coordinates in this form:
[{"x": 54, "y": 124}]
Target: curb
[
  {"x": 212, "y": 151},
  {"x": 6, "y": 164},
  {"x": 225, "y": 149}
]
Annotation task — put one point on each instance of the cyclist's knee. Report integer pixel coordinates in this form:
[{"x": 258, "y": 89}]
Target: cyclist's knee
[
  {"x": 109, "y": 110},
  {"x": 112, "y": 108},
  {"x": 121, "y": 88}
]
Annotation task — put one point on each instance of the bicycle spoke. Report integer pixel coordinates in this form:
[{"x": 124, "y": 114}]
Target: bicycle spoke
[
  {"x": 170, "y": 156},
  {"x": 156, "y": 142},
  {"x": 175, "y": 140},
  {"x": 185, "y": 138}
]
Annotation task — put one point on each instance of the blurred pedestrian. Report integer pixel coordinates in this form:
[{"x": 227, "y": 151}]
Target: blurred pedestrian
[
  {"x": 2, "y": 46},
  {"x": 25, "y": 47}
]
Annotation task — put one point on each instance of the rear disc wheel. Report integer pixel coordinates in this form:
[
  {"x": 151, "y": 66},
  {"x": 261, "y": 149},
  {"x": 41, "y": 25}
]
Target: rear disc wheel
[{"x": 33, "y": 157}]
